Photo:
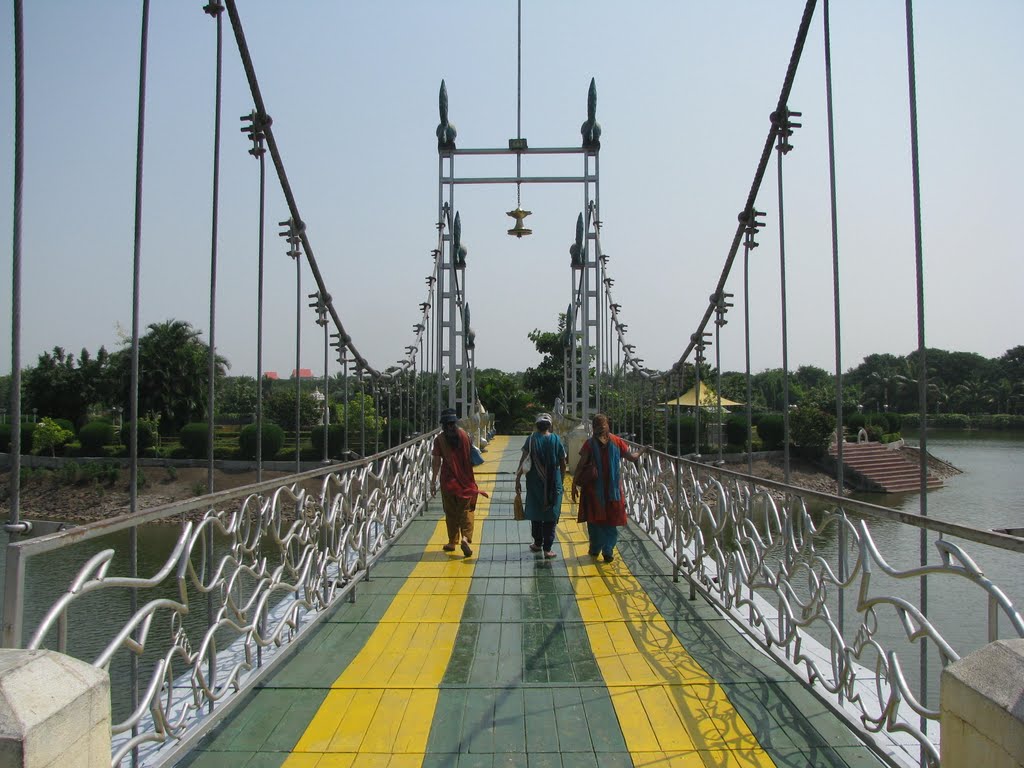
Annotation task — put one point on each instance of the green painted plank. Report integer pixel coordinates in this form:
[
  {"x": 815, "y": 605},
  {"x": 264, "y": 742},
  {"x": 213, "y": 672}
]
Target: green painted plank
[
  {"x": 267, "y": 760},
  {"x": 509, "y": 721},
  {"x": 571, "y": 722},
  {"x": 460, "y": 664},
  {"x": 447, "y": 727},
  {"x": 602, "y": 721},
  {"x": 478, "y": 721},
  {"x": 218, "y": 760},
  {"x": 539, "y": 713},
  {"x": 292, "y": 725},
  {"x": 544, "y": 759}
]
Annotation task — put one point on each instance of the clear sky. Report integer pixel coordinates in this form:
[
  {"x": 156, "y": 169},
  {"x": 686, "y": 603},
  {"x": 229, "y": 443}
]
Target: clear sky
[{"x": 684, "y": 94}]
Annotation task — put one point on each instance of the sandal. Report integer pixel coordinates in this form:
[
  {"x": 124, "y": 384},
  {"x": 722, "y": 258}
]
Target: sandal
[
  {"x": 535, "y": 547},
  {"x": 549, "y": 555},
  {"x": 466, "y": 549},
  {"x": 448, "y": 547}
]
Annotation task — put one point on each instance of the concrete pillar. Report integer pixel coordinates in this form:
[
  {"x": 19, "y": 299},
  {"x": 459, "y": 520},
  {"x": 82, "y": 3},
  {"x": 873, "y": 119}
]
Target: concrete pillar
[
  {"x": 982, "y": 708},
  {"x": 54, "y": 711}
]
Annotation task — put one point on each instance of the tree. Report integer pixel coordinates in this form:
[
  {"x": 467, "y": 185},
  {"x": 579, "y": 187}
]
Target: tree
[
  {"x": 174, "y": 367},
  {"x": 58, "y": 387},
  {"x": 279, "y": 408},
  {"x": 504, "y": 396},
  {"x": 236, "y": 395},
  {"x": 49, "y": 436},
  {"x": 545, "y": 381},
  {"x": 359, "y": 415}
]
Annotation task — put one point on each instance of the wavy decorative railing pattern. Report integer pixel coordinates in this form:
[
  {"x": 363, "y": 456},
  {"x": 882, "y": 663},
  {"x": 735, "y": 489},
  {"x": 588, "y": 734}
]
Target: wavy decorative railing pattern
[
  {"x": 803, "y": 585},
  {"x": 282, "y": 554}
]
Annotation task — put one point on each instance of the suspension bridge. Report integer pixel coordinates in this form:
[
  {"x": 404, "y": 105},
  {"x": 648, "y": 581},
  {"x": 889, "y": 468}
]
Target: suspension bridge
[{"x": 314, "y": 620}]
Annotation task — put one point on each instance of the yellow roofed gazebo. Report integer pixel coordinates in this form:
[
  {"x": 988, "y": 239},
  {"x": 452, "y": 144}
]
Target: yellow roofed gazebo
[{"x": 708, "y": 399}]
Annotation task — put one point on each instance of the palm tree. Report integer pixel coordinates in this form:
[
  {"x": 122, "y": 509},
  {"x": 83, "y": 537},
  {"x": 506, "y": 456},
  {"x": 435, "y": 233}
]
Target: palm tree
[{"x": 173, "y": 373}]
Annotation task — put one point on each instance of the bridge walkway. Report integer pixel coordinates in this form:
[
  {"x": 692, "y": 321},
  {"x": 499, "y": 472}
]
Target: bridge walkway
[{"x": 507, "y": 659}]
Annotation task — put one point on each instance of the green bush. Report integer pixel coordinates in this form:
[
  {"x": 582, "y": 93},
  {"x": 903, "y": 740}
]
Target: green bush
[
  {"x": 895, "y": 421},
  {"x": 854, "y": 421},
  {"x": 681, "y": 432},
  {"x": 949, "y": 421},
  {"x": 875, "y": 432},
  {"x": 273, "y": 439},
  {"x": 49, "y": 437},
  {"x": 27, "y": 428},
  {"x": 95, "y": 436},
  {"x": 771, "y": 430},
  {"x": 736, "y": 429},
  {"x": 810, "y": 429},
  {"x": 67, "y": 424},
  {"x": 335, "y": 440},
  {"x": 146, "y": 434},
  {"x": 193, "y": 439}
]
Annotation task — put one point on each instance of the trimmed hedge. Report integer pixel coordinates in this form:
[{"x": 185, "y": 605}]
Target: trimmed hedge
[
  {"x": 335, "y": 440},
  {"x": 771, "y": 430},
  {"x": 736, "y": 429},
  {"x": 95, "y": 436},
  {"x": 273, "y": 439},
  {"x": 27, "y": 428},
  {"x": 193, "y": 438},
  {"x": 146, "y": 434}
]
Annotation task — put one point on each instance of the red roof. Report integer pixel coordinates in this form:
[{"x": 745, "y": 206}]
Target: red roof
[
  {"x": 271, "y": 375},
  {"x": 304, "y": 373}
]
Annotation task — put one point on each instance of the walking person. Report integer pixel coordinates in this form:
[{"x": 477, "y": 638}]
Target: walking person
[
  {"x": 543, "y": 463},
  {"x": 598, "y": 482},
  {"x": 459, "y": 491}
]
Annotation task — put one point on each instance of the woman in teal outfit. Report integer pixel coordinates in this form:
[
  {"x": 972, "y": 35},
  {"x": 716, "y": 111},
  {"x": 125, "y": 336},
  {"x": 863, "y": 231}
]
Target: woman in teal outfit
[{"x": 543, "y": 483}]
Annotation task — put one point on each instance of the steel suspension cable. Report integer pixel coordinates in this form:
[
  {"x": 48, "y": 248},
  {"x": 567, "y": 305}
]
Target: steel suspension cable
[
  {"x": 785, "y": 330},
  {"x": 275, "y": 154},
  {"x": 133, "y": 428},
  {"x": 787, "y": 86},
  {"x": 14, "y": 525},
  {"x": 215, "y": 9},
  {"x": 922, "y": 385},
  {"x": 259, "y": 316},
  {"x": 834, "y": 218}
]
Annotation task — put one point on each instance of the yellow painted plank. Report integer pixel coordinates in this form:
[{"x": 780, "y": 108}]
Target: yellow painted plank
[
  {"x": 319, "y": 733},
  {"x": 633, "y": 717},
  {"x": 670, "y": 710},
  {"x": 379, "y": 711},
  {"x": 336, "y": 761},
  {"x": 301, "y": 760}
]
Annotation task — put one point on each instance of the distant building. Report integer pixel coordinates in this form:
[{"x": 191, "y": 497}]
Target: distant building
[
  {"x": 304, "y": 373},
  {"x": 271, "y": 375}
]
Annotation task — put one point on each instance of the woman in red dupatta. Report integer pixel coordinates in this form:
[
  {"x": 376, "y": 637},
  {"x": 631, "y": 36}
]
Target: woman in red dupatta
[{"x": 602, "y": 506}]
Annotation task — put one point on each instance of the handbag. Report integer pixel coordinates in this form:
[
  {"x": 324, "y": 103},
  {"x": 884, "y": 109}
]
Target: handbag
[
  {"x": 518, "y": 507},
  {"x": 586, "y": 473},
  {"x": 527, "y": 463}
]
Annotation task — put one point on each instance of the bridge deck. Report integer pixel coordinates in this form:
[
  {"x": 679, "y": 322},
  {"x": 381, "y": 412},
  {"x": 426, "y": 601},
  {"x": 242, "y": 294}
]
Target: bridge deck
[{"x": 507, "y": 659}]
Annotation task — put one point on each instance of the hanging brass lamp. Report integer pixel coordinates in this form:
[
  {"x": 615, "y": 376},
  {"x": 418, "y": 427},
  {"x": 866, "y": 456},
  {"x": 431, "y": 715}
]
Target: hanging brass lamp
[{"x": 519, "y": 230}]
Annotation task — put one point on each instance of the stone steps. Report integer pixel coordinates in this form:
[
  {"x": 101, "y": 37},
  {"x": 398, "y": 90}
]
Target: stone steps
[{"x": 883, "y": 469}]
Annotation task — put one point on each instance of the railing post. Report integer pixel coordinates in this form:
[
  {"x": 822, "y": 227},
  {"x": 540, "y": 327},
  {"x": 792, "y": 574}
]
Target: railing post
[
  {"x": 677, "y": 522},
  {"x": 14, "y": 597}
]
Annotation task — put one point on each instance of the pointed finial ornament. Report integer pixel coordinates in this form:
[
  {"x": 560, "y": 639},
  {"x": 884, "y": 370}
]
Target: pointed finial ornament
[
  {"x": 446, "y": 132},
  {"x": 459, "y": 251},
  {"x": 591, "y": 130},
  {"x": 576, "y": 249}
]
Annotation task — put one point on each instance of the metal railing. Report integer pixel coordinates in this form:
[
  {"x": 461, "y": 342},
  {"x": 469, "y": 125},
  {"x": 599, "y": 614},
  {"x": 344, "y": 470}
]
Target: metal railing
[
  {"x": 266, "y": 560},
  {"x": 804, "y": 574}
]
